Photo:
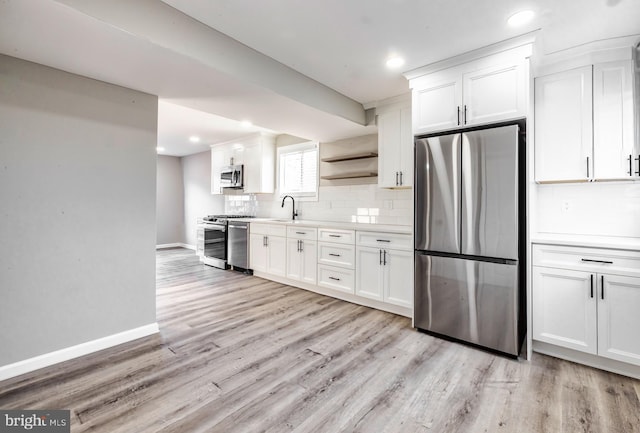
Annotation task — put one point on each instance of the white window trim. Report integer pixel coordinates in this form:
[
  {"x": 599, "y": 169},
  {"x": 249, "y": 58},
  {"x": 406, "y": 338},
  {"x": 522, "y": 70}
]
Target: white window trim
[{"x": 296, "y": 148}]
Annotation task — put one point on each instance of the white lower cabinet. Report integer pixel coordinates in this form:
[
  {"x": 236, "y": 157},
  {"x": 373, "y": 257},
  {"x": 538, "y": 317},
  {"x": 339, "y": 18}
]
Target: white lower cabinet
[
  {"x": 385, "y": 275},
  {"x": 619, "y": 318},
  {"x": 588, "y": 308},
  {"x": 564, "y": 309},
  {"x": 302, "y": 258},
  {"x": 359, "y": 266},
  {"x": 267, "y": 254},
  {"x": 382, "y": 273}
]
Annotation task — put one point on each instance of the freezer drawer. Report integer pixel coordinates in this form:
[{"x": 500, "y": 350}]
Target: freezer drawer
[{"x": 469, "y": 300}]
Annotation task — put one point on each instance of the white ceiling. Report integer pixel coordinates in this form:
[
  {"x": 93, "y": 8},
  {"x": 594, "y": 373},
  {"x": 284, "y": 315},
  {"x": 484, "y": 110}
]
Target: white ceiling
[
  {"x": 302, "y": 68},
  {"x": 176, "y": 124}
]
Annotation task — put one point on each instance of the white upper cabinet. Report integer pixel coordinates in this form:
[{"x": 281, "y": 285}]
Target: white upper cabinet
[
  {"x": 586, "y": 114},
  {"x": 437, "y": 104},
  {"x": 494, "y": 94},
  {"x": 457, "y": 94},
  {"x": 563, "y": 126},
  {"x": 395, "y": 148},
  {"x": 616, "y": 153},
  {"x": 256, "y": 153}
]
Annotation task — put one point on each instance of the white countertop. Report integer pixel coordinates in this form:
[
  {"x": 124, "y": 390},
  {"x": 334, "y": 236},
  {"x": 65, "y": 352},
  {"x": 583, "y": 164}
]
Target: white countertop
[
  {"x": 388, "y": 228},
  {"x": 619, "y": 243}
]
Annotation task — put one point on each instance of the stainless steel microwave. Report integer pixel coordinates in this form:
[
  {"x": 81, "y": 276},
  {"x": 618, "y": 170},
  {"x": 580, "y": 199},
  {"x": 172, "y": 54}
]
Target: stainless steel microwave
[{"x": 232, "y": 177}]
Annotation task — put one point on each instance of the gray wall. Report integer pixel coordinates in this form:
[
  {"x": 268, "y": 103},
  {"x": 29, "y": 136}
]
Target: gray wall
[
  {"x": 169, "y": 201},
  {"x": 198, "y": 200},
  {"x": 77, "y": 209}
]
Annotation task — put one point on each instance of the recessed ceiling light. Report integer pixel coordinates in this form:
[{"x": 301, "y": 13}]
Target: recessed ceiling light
[
  {"x": 194, "y": 139},
  {"x": 520, "y": 18},
  {"x": 246, "y": 124},
  {"x": 159, "y": 149},
  {"x": 394, "y": 62}
]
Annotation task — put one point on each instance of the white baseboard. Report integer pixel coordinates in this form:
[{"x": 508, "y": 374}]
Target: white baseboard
[
  {"x": 41, "y": 361},
  {"x": 175, "y": 245}
]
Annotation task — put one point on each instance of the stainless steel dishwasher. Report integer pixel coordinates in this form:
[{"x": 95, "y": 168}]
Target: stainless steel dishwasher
[{"x": 238, "y": 246}]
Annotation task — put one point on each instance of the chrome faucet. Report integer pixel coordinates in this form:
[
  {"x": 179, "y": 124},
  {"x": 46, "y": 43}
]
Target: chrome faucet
[{"x": 294, "y": 214}]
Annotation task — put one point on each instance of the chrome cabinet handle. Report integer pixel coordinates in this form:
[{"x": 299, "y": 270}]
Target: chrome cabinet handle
[
  {"x": 384, "y": 258},
  {"x": 638, "y": 159},
  {"x": 335, "y": 236},
  {"x": 334, "y": 255},
  {"x": 602, "y": 286},
  {"x": 266, "y": 238},
  {"x": 301, "y": 233},
  {"x": 334, "y": 278},
  {"x": 597, "y": 261},
  {"x": 301, "y": 246},
  {"x": 458, "y": 115},
  {"x": 465, "y": 114},
  {"x": 591, "y": 276},
  {"x": 396, "y": 178},
  {"x": 383, "y": 240},
  {"x": 380, "y": 257},
  {"x": 400, "y": 178},
  {"x": 587, "y": 166},
  {"x": 630, "y": 172}
]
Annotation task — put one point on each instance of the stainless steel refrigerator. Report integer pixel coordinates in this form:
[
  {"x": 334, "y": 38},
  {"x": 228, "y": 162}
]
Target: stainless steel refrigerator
[{"x": 468, "y": 246}]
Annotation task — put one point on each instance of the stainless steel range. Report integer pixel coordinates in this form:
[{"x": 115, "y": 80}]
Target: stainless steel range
[{"x": 213, "y": 239}]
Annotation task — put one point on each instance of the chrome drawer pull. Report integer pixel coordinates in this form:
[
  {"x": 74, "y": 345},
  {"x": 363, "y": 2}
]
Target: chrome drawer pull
[
  {"x": 334, "y": 278},
  {"x": 334, "y": 255},
  {"x": 335, "y": 236},
  {"x": 598, "y": 261},
  {"x": 301, "y": 233},
  {"x": 383, "y": 240}
]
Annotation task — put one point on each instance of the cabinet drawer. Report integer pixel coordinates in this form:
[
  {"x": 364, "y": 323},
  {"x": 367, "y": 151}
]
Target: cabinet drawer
[
  {"x": 310, "y": 233},
  {"x": 336, "y": 278},
  {"x": 618, "y": 262},
  {"x": 398, "y": 241},
  {"x": 336, "y": 254},
  {"x": 268, "y": 229},
  {"x": 337, "y": 236}
]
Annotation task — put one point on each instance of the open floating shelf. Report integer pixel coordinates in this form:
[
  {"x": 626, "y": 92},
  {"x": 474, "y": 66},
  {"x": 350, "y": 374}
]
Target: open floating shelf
[
  {"x": 351, "y": 157},
  {"x": 351, "y": 175}
]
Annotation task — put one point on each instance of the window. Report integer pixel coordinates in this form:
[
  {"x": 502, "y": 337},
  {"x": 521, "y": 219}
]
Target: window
[{"x": 298, "y": 170}]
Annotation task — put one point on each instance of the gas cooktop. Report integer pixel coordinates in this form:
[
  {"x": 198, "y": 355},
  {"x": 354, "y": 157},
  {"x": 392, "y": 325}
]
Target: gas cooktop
[{"x": 223, "y": 218}]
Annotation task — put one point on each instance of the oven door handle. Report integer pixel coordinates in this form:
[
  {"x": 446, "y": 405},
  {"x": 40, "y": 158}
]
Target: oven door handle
[
  {"x": 237, "y": 227},
  {"x": 214, "y": 227}
]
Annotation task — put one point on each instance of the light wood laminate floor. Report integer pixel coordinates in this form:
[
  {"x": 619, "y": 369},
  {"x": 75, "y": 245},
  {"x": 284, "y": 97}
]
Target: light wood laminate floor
[{"x": 242, "y": 354}]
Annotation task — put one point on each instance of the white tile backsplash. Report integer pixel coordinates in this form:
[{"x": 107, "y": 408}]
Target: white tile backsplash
[
  {"x": 598, "y": 209},
  {"x": 348, "y": 203}
]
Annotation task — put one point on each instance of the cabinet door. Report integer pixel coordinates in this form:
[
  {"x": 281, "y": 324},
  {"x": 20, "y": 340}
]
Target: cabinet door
[
  {"x": 389, "y": 148},
  {"x": 257, "y": 253},
  {"x": 438, "y": 106},
  {"x": 563, "y": 126},
  {"x": 494, "y": 94},
  {"x": 277, "y": 252},
  {"x": 614, "y": 147},
  {"x": 398, "y": 285},
  {"x": 406, "y": 148},
  {"x": 618, "y": 318},
  {"x": 369, "y": 272},
  {"x": 294, "y": 259},
  {"x": 309, "y": 261},
  {"x": 564, "y": 308}
]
